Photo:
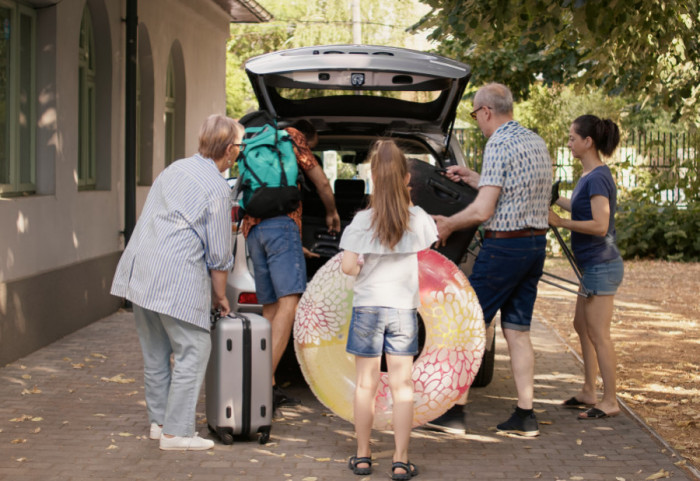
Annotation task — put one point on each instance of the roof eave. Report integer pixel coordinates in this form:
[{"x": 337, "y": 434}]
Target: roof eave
[{"x": 244, "y": 11}]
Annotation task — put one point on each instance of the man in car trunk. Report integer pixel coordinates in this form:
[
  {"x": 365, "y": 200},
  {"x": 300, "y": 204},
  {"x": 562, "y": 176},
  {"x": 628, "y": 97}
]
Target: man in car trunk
[{"x": 277, "y": 255}]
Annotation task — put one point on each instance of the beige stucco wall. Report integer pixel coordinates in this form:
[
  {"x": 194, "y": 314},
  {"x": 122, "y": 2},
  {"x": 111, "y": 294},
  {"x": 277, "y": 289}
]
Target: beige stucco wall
[{"x": 60, "y": 229}]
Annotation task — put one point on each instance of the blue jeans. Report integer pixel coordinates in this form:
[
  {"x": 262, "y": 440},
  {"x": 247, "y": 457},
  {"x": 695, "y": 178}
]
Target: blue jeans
[
  {"x": 505, "y": 277},
  {"x": 171, "y": 396},
  {"x": 279, "y": 267}
]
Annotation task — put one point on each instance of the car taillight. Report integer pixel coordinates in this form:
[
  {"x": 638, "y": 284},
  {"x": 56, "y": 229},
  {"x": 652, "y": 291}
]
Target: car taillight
[{"x": 247, "y": 298}]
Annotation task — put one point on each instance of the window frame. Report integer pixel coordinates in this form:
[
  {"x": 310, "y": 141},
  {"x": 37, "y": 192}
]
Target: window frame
[
  {"x": 21, "y": 104},
  {"x": 138, "y": 126},
  {"x": 170, "y": 112},
  {"x": 87, "y": 101}
]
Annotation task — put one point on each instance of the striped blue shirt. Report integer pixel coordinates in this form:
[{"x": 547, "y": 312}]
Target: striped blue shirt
[
  {"x": 183, "y": 232},
  {"x": 517, "y": 160}
]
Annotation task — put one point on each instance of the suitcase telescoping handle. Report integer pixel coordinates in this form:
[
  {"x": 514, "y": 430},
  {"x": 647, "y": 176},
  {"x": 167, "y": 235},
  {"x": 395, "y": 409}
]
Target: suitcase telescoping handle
[{"x": 215, "y": 316}]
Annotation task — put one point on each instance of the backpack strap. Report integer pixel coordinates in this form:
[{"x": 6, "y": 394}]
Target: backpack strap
[
  {"x": 283, "y": 174},
  {"x": 252, "y": 172}
]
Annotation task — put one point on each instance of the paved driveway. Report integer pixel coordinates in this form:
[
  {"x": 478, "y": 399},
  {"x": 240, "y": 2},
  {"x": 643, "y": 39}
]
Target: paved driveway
[{"x": 75, "y": 411}]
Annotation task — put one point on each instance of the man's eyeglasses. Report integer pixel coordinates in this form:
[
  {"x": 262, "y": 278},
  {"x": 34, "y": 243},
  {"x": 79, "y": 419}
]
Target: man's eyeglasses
[{"x": 473, "y": 112}]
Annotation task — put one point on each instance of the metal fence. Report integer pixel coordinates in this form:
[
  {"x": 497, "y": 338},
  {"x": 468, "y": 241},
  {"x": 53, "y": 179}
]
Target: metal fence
[{"x": 666, "y": 163}]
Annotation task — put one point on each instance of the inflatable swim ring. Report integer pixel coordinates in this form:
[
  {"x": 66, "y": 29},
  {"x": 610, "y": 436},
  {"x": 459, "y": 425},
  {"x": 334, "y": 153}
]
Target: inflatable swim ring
[{"x": 442, "y": 373}]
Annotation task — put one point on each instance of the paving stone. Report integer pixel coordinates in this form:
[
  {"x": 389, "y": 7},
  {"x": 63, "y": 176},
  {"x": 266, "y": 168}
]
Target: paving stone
[{"x": 85, "y": 395}]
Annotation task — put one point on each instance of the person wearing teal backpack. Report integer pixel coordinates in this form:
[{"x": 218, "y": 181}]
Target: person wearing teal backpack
[
  {"x": 274, "y": 243},
  {"x": 268, "y": 172}
]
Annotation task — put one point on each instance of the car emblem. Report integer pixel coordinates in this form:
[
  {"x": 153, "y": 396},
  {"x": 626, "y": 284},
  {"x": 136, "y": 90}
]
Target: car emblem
[{"x": 357, "y": 79}]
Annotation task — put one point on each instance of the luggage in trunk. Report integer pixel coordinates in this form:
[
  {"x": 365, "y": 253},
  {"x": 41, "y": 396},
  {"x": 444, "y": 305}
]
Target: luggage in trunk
[{"x": 438, "y": 195}]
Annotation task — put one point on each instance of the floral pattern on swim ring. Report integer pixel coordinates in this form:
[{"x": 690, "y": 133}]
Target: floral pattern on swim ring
[
  {"x": 324, "y": 304},
  {"x": 443, "y": 371}
]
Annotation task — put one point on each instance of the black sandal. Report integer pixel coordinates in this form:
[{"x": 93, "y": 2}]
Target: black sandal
[
  {"x": 409, "y": 467},
  {"x": 353, "y": 464},
  {"x": 573, "y": 403}
]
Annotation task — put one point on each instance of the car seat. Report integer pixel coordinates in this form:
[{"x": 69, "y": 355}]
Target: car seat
[{"x": 349, "y": 197}]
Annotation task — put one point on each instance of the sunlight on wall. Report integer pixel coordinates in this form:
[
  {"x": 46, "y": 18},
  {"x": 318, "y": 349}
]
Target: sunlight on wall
[
  {"x": 20, "y": 321},
  {"x": 48, "y": 121},
  {"x": 75, "y": 240},
  {"x": 10, "y": 259},
  {"x": 22, "y": 223},
  {"x": 48, "y": 118},
  {"x": 3, "y": 299}
]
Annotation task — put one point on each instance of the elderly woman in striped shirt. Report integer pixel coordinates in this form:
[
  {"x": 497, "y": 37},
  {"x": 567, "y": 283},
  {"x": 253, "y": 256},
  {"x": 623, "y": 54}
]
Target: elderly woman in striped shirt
[{"x": 174, "y": 271}]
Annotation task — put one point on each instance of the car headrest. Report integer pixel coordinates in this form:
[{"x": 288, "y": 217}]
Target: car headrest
[{"x": 350, "y": 187}]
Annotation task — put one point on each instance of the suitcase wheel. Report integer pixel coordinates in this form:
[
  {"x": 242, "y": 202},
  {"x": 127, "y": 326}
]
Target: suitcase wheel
[
  {"x": 264, "y": 435},
  {"x": 224, "y": 434},
  {"x": 227, "y": 438}
]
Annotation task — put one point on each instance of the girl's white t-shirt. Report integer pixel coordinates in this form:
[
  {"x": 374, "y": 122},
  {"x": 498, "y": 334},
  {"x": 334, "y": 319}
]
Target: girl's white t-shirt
[{"x": 389, "y": 277}]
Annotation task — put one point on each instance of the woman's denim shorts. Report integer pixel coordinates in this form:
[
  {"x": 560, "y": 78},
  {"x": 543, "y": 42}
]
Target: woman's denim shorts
[
  {"x": 603, "y": 279},
  {"x": 374, "y": 330}
]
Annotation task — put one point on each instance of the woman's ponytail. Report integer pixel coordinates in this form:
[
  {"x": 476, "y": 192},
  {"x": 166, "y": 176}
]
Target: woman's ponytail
[{"x": 605, "y": 133}]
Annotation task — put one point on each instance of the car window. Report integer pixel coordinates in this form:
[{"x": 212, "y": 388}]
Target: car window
[
  {"x": 352, "y": 163},
  {"x": 418, "y": 97}
]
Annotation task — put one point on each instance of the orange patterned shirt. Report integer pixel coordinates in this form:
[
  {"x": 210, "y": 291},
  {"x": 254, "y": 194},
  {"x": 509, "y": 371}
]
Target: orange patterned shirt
[{"x": 306, "y": 161}]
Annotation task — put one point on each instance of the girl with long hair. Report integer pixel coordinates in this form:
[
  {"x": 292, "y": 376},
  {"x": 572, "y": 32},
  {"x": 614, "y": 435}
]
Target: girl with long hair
[
  {"x": 592, "y": 225},
  {"x": 381, "y": 248}
]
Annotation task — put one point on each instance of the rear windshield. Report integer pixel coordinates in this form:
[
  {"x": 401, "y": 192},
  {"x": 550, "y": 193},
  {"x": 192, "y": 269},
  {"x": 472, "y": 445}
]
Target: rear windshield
[
  {"x": 346, "y": 162},
  {"x": 418, "y": 97}
]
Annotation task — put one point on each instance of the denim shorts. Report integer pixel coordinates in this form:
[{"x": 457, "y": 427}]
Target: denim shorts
[
  {"x": 604, "y": 279},
  {"x": 374, "y": 330},
  {"x": 279, "y": 267},
  {"x": 505, "y": 277}
]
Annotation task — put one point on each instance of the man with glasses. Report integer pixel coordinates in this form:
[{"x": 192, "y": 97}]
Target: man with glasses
[{"x": 512, "y": 205}]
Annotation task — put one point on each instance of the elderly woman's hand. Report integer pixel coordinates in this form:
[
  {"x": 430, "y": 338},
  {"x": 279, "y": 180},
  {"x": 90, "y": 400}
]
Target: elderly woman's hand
[{"x": 221, "y": 304}]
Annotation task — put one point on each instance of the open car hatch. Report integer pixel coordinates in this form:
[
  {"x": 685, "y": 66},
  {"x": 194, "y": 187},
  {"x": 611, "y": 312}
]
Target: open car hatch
[{"x": 360, "y": 84}]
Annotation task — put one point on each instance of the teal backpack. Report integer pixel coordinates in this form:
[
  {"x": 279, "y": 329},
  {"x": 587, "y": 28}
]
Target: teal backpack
[{"x": 267, "y": 170}]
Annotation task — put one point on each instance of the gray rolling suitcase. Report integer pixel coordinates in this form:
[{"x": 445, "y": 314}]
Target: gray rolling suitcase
[{"x": 239, "y": 378}]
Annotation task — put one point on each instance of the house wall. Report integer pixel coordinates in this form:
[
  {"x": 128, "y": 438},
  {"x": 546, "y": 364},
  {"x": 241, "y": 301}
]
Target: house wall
[{"x": 59, "y": 248}]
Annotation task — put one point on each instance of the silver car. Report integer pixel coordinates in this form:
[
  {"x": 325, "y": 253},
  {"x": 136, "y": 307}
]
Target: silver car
[{"x": 353, "y": 95}]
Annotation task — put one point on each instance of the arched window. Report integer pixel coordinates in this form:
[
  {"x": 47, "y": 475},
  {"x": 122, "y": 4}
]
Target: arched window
[
  {"x": 87, "y": 156},
  {"x": 170, "y": 113},
  {"x": 17, "y": 99},
  {"x": 138, "y": 126},
  {"x": 144, "y": 109},
  {"x": 174, "y": 115}
]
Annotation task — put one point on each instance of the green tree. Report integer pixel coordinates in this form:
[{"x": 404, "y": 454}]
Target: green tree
[
  {"x": 648, "y": 49},
  {"x": 550, "y": 111},
  {"x": 302, "y": 23}
]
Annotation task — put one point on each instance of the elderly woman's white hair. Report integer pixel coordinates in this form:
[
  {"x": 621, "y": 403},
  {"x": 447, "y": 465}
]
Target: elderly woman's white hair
[{"x": 216, "y": 134}]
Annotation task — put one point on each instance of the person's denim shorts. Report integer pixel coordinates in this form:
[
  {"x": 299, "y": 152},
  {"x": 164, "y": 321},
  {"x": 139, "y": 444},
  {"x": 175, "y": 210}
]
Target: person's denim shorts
[
  {"x": 374, "y": 330},
  {"x": 604, "y": 279},
  {"x": 274, "y": 247},
  {"x": 505, "y": 277}
]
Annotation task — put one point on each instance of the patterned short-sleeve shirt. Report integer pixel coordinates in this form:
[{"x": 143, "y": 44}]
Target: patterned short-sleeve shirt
[{"x": 516, "y": 160}]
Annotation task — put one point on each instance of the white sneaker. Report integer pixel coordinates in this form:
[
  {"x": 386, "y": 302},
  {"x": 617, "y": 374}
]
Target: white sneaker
[
  {"x": 155, "y": 431},
  {"x": 181, "y": 443}
]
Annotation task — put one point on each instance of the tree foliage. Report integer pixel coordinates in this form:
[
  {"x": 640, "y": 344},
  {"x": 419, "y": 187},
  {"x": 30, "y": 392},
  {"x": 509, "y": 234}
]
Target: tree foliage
[
  {"x": 302, "y": 23},
  {"x": 550, "y": 111},
  {"x": 648, "y": 49}
]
